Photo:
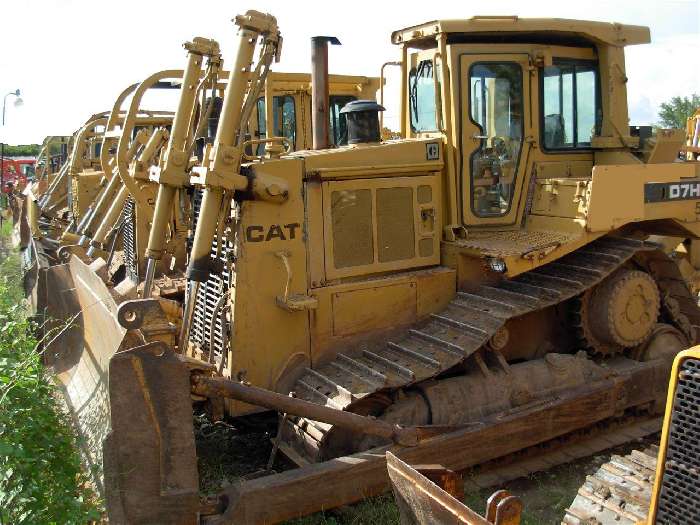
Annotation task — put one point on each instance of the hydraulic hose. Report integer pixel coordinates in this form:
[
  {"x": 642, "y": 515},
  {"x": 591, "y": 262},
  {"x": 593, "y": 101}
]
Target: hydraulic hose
[{"x": 176, "y": 159}]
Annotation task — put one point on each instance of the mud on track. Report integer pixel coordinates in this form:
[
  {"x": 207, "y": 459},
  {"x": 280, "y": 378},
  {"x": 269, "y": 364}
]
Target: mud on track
[{"x": 233, "y": 450}]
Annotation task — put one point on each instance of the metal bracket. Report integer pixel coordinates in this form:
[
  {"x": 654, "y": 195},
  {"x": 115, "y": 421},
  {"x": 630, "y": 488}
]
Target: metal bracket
[
  {"x": 293, "y": 302},
  {"x": 453, "y": 232},
  {"x": 502, "y": 508},
  {"x": 146, "y": 315},
  {"x": 203, "y": 46}
]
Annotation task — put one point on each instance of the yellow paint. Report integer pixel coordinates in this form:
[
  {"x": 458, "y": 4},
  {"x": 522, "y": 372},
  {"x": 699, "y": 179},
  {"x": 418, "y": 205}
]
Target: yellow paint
[
  {"x": 692, "y": 353},
  {"x": 561, "y": 201}
]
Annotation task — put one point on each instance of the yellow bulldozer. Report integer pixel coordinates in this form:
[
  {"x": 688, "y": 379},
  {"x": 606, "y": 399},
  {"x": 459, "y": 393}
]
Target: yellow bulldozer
[
  {"x": 692, "y": 144},
  {"x": 482, "y": 285},
  {"x": 103, "y": 198},
  {"x": 53, "y": 154}
]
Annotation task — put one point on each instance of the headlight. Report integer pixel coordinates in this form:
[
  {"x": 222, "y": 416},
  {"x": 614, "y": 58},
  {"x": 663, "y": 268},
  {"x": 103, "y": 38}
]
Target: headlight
[{"x": 497, "y": 265}]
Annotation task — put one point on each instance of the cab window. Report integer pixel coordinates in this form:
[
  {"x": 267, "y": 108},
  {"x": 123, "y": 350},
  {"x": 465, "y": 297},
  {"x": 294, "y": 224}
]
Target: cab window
[
  {"x": 421, "y": 92},
  {"x": 496, "y": 101},
  {"x": 338, "y": 125},
  {"x": 284, "y": 118},
  {"x": 570, "y": 107}
]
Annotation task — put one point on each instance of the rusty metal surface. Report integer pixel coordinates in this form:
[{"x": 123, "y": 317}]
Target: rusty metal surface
[
  {"x": 352, "y": 478},
  {"x": 130, "y": 403},
  {"x": 36, "y": 259},
  {"x": 319, "y": 90},
  {"x": 221, "y": 387},
  {"x": 150, "y": 458},
  {"x": 21, "y": 233},
  {"x": 423, "y": 502},
  {"x": 563, "y": 450},
  {"x": 619, "y": 314},
  {"x": 82, "y": 335},
  {"x": 618, "y": 493},
  {"x": 450, "y": 337}
]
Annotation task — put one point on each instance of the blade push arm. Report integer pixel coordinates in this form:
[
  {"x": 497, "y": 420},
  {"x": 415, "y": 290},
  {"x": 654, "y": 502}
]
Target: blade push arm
[{"x": 173, "y": 172}]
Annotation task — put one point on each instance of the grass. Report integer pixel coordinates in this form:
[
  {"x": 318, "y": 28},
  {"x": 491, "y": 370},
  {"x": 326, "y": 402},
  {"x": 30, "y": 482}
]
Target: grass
[
  {"x": 545, "y": 495},
  {"x": 41, "y": 481},
  {"x": 380, "y": 510},
  {"x": 5, "y": 230}
]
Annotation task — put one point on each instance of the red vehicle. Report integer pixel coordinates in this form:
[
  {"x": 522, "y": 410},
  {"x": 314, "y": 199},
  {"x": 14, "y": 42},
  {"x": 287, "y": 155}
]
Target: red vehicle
[{"x": 17, "y": 170}]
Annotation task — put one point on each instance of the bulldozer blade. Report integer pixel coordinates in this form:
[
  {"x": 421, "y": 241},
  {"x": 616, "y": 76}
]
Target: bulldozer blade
[
  {"x": 150, "y": 458},
  {"x": 435, "y": 498},
  {"x": 20, "y": 231},
  {"x": 32, "y": 261},
  {"x": 39, "y": 255},
  {"x": 80, "y": 334},
  {"x": 130, "y": 402}
]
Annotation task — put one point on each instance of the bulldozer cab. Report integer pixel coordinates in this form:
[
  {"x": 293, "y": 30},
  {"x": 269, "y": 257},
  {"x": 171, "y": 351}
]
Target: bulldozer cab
[
  {"x": 525, "y": 98},
  {"x": 53, "y": 153},
  {"x": 291, "y": 107},
  {"x": 289, "y": 117}
]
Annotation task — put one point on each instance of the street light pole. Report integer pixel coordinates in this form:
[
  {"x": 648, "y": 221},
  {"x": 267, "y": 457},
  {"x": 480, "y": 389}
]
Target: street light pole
[{"x": 18, "y": 102}]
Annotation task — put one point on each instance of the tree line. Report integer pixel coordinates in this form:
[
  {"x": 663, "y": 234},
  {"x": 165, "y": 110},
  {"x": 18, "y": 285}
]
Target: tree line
[
  {"x": 676, "y": 112},
  {"x": 23, "y": 150},
  {"x": 672, "y": 114}
]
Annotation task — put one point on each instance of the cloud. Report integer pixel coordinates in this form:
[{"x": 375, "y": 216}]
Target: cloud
[
  {"x": 641, "y": 111},
  {"x": 71, "y": 58},
  {"x": 659, "y": 71}
]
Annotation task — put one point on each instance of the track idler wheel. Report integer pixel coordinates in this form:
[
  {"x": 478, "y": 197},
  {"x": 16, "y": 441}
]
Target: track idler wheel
[{"x": 619, "y": 313}]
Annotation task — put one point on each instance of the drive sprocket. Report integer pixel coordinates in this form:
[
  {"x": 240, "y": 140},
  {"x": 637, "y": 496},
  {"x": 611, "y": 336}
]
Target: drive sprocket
[{"x": 618, "y": 313}]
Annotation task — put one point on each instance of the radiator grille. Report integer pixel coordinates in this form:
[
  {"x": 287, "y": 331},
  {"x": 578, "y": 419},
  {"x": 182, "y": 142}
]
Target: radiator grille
[
  {"x": 209, "y": 294},
  {"x": 73, "y": 192},
  {"x": 396, "y": 239},
  {"x": 131, "y": 260},
  {"x": 680, "y": 484},
  {"x": 351, "y": 212}
]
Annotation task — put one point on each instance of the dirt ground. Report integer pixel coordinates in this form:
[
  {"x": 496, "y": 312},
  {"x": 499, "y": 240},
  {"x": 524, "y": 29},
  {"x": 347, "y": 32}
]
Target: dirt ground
[{"x": 229, "y": 452}]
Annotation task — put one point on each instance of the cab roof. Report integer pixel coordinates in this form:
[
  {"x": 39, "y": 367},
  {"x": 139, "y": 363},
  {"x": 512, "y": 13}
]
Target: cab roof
[{"x": 515, "y": 29}]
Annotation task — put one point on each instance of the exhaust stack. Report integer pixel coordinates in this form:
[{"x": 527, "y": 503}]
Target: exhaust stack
[{"x": 320, "y": 121}]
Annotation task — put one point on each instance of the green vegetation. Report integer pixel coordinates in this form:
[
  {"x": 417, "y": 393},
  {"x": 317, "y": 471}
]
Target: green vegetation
[
  {"x": 23, "y": 150},
  {"x": 675, "y": 112},
  {"x": 40, "y": 472}
]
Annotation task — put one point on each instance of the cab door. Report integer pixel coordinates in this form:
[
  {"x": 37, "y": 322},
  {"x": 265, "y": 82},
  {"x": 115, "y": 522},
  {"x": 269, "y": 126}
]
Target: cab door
[{"x": 496, "y": 122}]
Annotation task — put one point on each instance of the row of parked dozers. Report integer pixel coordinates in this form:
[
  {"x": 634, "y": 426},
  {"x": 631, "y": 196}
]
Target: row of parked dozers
[{"x": 516, "y": 268}]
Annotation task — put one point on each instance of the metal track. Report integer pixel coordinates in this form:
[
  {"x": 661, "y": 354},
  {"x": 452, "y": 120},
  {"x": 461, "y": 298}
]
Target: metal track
[
  {"x": 571, "y": 447},
  {"x": 452, "y": 336},
  {"x": 618, "y": 493},
  {"x": 678, "y": 303}
]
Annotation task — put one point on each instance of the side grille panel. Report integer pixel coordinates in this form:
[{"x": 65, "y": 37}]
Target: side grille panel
[
  {"x": 129, "y": 240},
  {"x": 73, "y": 192},
  {"x": 680, "y": 484},
  {"x": 209, "y": 294}
]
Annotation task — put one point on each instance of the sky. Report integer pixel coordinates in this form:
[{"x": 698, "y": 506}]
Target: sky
[{"x": 71, "y": 58}]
